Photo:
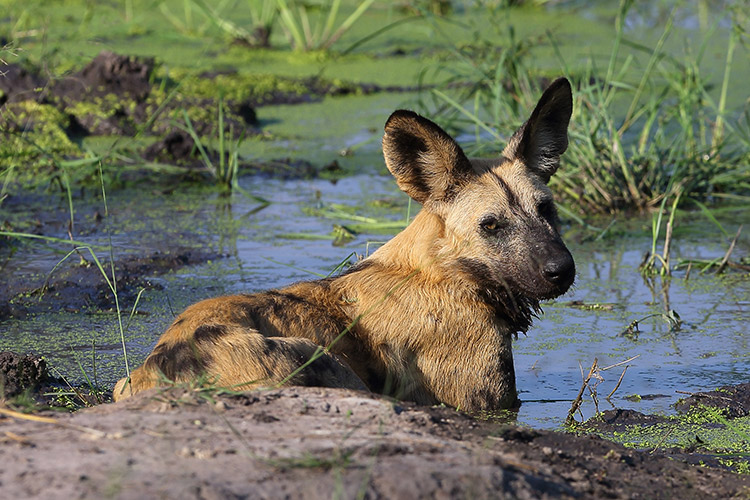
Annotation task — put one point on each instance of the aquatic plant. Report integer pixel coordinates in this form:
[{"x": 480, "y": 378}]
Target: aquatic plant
[
  {"x": 312, "y": 26},
  {"x": 224, "y": 168},
  {"x": 225, "y": 163},
  {"x": 307, "y": 25},
  {"x": 185, "y": 23},
  {"x": 262, "y": 14},
  {"x": 653, "y": 263},
  {"x": 636, "y": 137}
]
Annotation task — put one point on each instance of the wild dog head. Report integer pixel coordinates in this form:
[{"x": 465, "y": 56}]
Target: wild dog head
[{"x": 501, "y": 226}]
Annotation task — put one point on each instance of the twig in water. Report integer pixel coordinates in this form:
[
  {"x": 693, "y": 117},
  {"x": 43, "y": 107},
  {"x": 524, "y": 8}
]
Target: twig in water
[
  {"x": 617, "y": 386},
  {"x": 622, "y": 375},
  {"x": 725, "y": 260},
  {"x": 594, "y": 397},
  {"x": 595, "y": 373},
  {"x": 577, "y": 401},
  {"x": 620, "y": 363}
]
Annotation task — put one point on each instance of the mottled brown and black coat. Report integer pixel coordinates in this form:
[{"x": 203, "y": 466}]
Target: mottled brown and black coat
[{"x": 429, "y": 316}]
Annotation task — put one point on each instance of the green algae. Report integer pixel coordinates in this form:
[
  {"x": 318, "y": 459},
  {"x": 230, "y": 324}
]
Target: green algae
[
  {"x": 33, "y": 132},
  {"x": 259, "y": 88},
  {"x": 702, "y": 430},
  {"x": 95, "y": 110}
]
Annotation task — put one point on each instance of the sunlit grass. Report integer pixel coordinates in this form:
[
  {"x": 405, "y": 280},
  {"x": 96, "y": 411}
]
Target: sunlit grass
[{"x": 640, "y": 133}]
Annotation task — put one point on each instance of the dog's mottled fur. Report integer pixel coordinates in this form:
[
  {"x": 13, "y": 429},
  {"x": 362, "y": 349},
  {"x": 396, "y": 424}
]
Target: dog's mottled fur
[{"x": 428, "y": 317}]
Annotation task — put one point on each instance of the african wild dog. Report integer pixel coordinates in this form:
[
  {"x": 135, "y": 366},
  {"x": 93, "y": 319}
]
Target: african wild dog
[{"x": 430, "y": 315}]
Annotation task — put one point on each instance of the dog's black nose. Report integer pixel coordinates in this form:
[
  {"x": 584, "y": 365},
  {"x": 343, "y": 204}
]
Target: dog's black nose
[{"x": 560, "y": 270}]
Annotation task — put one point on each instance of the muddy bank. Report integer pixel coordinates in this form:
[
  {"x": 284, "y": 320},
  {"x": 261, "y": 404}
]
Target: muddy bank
[
  {"x": 710, "y": 428},
  {"x": 321, "y": 443},
  {"x": 178, "y": 148},
  {"x": 733, "y": 400}
]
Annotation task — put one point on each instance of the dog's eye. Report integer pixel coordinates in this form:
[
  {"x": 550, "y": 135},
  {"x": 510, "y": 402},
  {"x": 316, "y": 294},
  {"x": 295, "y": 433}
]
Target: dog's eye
[{"x": 491, "y": 225}]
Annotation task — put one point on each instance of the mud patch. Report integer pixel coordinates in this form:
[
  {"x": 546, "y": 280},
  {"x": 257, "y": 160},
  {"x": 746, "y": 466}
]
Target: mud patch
[
  {"x": 82, "y": 287},
  {"x": 712, "y": 428},
  {"x": 322, "y": 443},
  {"x": 618, "y": 420},
  {"x": 19, "y": 83},
  {"x": 734, "y": 401},
  {"x": 178, "y": 148},
  {"x": 19, "y": 373}
]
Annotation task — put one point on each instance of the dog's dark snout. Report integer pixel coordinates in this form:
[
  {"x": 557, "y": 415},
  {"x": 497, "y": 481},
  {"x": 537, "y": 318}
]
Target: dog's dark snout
[{"x": 560, "y": 270}]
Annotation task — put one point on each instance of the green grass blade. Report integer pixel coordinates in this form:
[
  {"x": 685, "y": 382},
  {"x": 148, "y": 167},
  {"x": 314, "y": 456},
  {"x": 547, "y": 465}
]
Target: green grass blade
[
  {"x": 290, "y": 24},
  {"x": 646, "y": 77},
  {"x": 353, "y": 17},
  {"x": 474, "y": 118},
  {"x": 333, "y": 12}
]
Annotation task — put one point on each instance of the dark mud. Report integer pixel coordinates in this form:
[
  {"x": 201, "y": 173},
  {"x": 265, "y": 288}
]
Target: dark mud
[
  {"x": 733, "y": 400},
  {"x": 323, "y": 443},
  {"x": 21, "y": 373},
  {"x": 81, "y": 286},
  {"x": 178, "y": 148}
]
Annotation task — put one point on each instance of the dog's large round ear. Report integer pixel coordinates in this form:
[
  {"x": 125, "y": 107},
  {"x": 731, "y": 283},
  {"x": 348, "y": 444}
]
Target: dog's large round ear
[
  {"x": 427, "y": 163},
  {"x": 544, "y": 137}
]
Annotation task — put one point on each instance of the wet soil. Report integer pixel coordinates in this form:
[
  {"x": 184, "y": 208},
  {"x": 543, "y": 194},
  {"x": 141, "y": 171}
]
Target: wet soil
[
  {"x": 81, "y": 286},
  {"x": 323, "y": 443},
  {"x": 733, "y": 400},
  {"x": 19, "y": 373},
  {"x": 729, "y": 403}
]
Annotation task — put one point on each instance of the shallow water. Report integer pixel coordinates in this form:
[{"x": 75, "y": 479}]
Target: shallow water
[{"x": 711, "y": 348}]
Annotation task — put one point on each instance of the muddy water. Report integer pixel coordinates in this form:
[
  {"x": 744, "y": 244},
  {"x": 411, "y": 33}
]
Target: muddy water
[{"x": 264, "y": 249}]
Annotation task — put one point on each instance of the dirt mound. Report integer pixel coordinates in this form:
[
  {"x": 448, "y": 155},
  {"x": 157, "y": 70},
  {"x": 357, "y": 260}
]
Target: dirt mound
[
  {"x": 734, "y": 400},
  {"x": 176, "y": 148},
  {"x": 109, "y": 73},
  {"x": 20, "y": 372},
  {"x": 19, "y": 83},
  {"x": 619, "y": 419},
  {"x": 320, "y": 443}
]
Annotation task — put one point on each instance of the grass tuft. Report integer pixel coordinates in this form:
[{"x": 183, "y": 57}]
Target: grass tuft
[{"x": 638, "y": 136}]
